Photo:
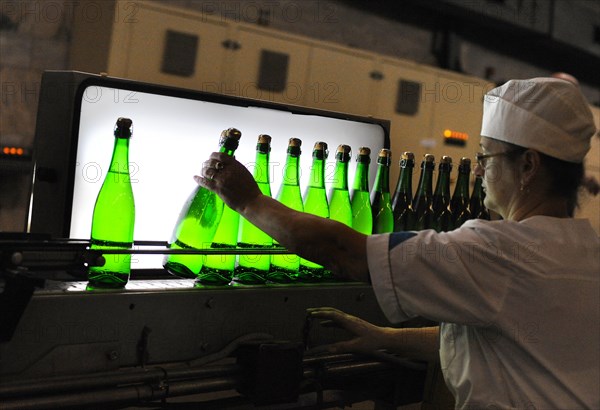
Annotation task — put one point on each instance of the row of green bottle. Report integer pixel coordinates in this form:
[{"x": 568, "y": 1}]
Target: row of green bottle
[
  {"x": 431, "y": 209},
  {"x": 234, "y": 231},
  {"x": 206, "y": 222}
]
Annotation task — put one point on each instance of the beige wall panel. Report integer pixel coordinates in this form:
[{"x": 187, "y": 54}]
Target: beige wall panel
[
  {"x": 408, "y": 132},
  {"x": 139, "y": 47},
  {"x": 339, "y": 80},
  {"x": 243, "y": 77}
]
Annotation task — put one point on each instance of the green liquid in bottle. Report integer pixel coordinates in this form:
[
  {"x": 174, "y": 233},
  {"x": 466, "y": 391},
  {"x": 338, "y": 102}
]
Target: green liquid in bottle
[
  {"x": 381, "y": 204},
  {"x": 315, "y": 202},
  {"x": 360, "y": 199},
  {"x": 284, "y": 268},
  {"x": 254, "y": 269},
  {"x": 198, "y": 221},
  {"x": 114, "y": 216}
]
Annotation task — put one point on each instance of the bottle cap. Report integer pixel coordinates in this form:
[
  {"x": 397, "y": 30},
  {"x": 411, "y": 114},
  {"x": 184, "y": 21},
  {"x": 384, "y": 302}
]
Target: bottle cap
[
  {"x": 428, "y": 161},
  {"x": 264, "y": 143},
  {"x": 295, "y": 142},
  {"x": 364, "y": 151},
  {"x": 465, "y": 165},
  {"x": 407, "y": 159},
  {"x": 343, "y": 153},
  {"x": 385, "y": 156},
  {"x": 264, "y": 139},
  {"x": 384, "y": 152},
  {"x": 230, "y": 138},
  {"x": 445, "y": 163},
  {"x": 294, "y": 145},
  {"x": 123, "y": 128},
  {"x": 320, "y": 150}
]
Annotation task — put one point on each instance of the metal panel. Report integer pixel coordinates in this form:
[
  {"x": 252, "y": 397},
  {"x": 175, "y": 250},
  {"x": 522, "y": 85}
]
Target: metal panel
[{"x": 67, "y": 330}]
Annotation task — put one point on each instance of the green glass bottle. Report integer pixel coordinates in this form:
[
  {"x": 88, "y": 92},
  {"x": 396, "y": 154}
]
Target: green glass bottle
[
  {"x": 253, "y": 269},
  {"x": 284, "y": 268},
  {"x": 381, "y": 201},
  {"x": 476, "y": 207},
  {"x": 198, "y": 220},
  {"x": 340, "y": 208},
  {"x": 218, "y": 269},
  {"x": 114, "y": 215},
  {"x": 360, "y": 200},
  {"x": 459, "y": 204},
  {"x": 404, "y": 216},
  {"x": 442, "y": 217},
  {"x": 424, "y": 196},
  {"x": 315, "y": 202}
]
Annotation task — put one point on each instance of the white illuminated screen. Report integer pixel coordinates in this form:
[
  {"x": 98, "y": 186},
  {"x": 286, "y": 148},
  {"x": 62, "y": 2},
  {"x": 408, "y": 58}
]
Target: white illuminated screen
[{"x": 171, "y": 139}]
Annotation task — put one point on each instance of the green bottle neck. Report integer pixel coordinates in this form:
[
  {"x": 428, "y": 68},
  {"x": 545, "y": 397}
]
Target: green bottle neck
[
  {"x": 340, "y": 175},
  {"x": 228, "y": 146},
  {"x": 361, "y": 179},
  {"x": 462, "y": 185},
  {"x": 404, "y": 187},
  {"x": 120, "y": 157},
  {"x": 382, "y": 178},
  {"x": 442, "y": 188},
  {"x": 317, "y": 173},
  {"x": 425, "y": 188},
  {"x": 261, "y": 169},
  {"x": 291, "y": 170},
  {"x": 478, "y": 188}
]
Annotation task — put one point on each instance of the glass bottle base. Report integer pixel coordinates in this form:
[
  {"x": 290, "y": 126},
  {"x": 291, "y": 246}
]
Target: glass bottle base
[
  {"x": 210, "y": 276},
  {"x": 249, "y": 276},
  {"x": 179, "y": 270}
]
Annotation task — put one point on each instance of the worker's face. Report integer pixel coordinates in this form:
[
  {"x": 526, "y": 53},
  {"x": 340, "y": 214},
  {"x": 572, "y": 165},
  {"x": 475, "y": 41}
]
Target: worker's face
[{"x": 498, "y": 176}]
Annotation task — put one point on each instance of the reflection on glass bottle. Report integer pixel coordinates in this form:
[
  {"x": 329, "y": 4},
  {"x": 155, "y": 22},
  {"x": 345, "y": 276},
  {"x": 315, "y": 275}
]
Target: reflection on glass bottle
[
  {"x": 459, "y": 204},
  {"x": 424, "y": 196},
  {"x": 404, "y": 216},
  {"x": 218, "y": 269},
  {"x": 284, "y": 268},
  {"x": 442, "y": 217},
  {"x": 198, "y": 220},
  {"x": 340, "y": 208},
  {"x": 315, "y": 202},
  {"x": 476, "y": 207},
  {"x": 114, "y": 215},
  {"x": 360, "y": 200},
  {"x": 253, "y": 269},
  {"x": 381, "y": 202}
]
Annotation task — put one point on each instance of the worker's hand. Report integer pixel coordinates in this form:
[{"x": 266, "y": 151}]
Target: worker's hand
[
  {"x": 229, "y": 179},
  {"x": 367, "y": 337}
]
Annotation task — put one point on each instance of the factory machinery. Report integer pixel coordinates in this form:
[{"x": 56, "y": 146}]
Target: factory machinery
[
  {"x": 162, "y": 341},
  {"x": 165, "y": 343}
]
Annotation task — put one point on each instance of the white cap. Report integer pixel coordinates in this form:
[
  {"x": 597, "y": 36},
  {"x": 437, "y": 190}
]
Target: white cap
[{"x": 548, "y": 115}]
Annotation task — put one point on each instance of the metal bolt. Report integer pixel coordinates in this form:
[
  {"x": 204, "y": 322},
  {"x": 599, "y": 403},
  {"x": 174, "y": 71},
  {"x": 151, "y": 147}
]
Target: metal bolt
[
  {"x": 361, "y": 296},
  {"x": 113, "y": 355},
  {"x": 16, "y": 258}
]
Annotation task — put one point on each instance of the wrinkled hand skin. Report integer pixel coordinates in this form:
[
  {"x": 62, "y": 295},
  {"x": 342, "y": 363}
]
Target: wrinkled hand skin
[{"x": 233, "y": 183}]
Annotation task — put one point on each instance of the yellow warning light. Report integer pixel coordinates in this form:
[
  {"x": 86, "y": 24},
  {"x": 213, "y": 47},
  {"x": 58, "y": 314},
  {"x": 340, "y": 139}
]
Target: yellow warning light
[{"x": 455, "y": 137}]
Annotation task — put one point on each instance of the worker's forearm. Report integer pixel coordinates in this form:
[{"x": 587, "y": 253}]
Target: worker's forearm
[
  {"x": 323, "y": 241},
  {"x": 415, "y": 343}
]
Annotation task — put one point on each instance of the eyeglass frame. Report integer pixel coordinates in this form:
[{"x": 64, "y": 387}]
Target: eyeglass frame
[{"x": 480, "y": 156}]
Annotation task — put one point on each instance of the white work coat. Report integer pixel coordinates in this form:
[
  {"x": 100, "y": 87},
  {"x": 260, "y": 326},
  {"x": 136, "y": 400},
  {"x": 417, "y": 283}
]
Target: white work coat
[{"x": 518, "y": 302}]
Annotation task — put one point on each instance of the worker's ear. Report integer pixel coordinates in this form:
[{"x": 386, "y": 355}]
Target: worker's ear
[{"x": 529, "y": 167}]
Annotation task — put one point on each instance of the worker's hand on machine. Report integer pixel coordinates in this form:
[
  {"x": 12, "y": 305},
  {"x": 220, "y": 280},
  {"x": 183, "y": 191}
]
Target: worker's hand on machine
[{"x": 367, "y": 337}]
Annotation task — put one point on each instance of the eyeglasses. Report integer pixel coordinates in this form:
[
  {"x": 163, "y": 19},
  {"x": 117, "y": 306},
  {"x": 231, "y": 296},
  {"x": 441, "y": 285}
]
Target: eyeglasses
[{"x": 481, "y": 157}]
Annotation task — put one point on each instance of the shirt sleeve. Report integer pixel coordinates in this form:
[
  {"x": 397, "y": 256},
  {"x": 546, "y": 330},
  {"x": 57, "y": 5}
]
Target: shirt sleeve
[{"x": 459, "y": 276}]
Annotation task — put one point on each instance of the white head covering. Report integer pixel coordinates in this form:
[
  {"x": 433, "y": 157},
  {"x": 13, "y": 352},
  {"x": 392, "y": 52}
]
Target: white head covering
[{"x": 549, "y": 115}]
